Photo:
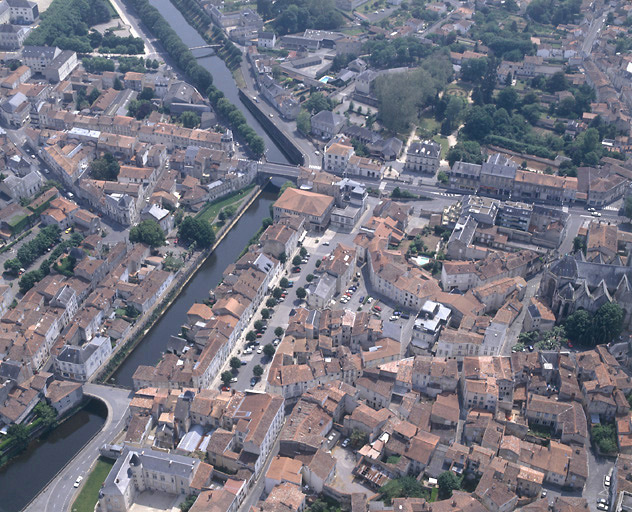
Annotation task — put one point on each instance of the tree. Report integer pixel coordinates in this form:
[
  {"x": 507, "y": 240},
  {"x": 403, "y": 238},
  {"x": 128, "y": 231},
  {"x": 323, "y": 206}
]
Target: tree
[
  {"x": 196, "y": 230},
  {"x": 403, "y": 487},
  {"x": 358, "y": 438},
  {"x": 284, "y": 282},
  {"x": 296, "y": 260},
  {"x": 442, "y": 177},
  {"x": 309, "y": 278},
  {"x": 226, "y": 378},
  {"x": 607, "y": 323},
  {"x": 278, "y": 332},
  {"x": 507, "y": 98},
  {"x": 301, "y": 293},
  {"x": 146, "y": 94},
  {"x": 46, "y": 413},
  {"x": 304, "y": 122},
  {"x": 105, "y": 168},
  {"x": 257, "y": 371},
  {"x": 265, "y": 313},
  {"x": 628, "y": 206},
  {"x": 186, "y": 505},
  {"x": 478, "y": 123},
  {"x": 19, "y": 434},
  {"x": 235, "y": 363},
  {"x": 190, "y": 119},
  {"x": 303, "y": 252},
  {"x": 579, "y": 244},
  {"x": 270, "y": 303},
  {"x": 604, "y": 436},
  {"x": 147, "y": 232},
  {"x": 251, "y": 336},
  {"x": 448, "y": 482},
  {"x": 269, "y": 350},
  {"x": 578, "y": 327},
  {"x": 277, "y": 292},
  {"x": 258, "y": 325}
]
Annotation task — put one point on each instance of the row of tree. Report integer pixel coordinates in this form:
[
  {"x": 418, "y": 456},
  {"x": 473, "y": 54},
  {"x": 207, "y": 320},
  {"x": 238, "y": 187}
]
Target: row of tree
[
  {"x": 199, "y": 76},
  {"x": 30, "y": 251}
]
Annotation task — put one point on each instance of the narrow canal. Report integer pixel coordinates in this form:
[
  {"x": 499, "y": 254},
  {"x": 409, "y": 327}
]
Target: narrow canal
[
  {"x": 29, "y": 472},
  {"x": 222, "y": 77},
  {"x": 150, "y": 349}
]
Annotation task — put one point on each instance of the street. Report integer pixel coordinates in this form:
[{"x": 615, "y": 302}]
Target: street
[{"x": 60, "y": 492}]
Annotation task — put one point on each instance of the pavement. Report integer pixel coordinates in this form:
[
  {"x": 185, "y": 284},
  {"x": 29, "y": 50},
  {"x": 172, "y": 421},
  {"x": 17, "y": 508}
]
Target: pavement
[{"x": 60, "y": 493}]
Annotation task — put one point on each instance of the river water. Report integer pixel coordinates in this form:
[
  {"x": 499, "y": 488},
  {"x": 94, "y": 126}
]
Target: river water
[
  {"x": 150, "y": 349},
  {"x": 30, "y": 471},
  {"x": 222, "y": 77}
]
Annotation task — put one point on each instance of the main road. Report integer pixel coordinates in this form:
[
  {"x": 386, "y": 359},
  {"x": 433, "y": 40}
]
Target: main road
[{"x": 59, "y": 494}]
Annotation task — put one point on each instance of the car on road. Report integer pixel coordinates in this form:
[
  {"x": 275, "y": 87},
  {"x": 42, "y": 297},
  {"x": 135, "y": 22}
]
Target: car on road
[
  {"x": 326, "y": 244},
  {"x": 543, "y": 494},
  {"x": 393, "y": 318},
  {"x": 591, "y": 209},
  {"x": 78, "y": 481},
  {"x": 244, "y": 363},
  {"x": 596, "y": 214},
  {"x": 606, "y": 480}
]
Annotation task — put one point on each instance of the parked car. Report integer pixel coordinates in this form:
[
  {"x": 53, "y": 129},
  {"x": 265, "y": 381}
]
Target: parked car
[
  {"x": 234, "y": 379},
  {"x": 606, "y": 481},
  {"x": 247, "y": 351},
  {"x": 346, "y": 442},
  {"x": 377, "y": 308},
  {"x": 259, "y": 350},
  {"x": 225, "y": 388},
  {"x": 405, "y": 316},
  {"x": 244, "y": 363},
  {"x": 296, "y": 270},
  {"x": 602, "y": 506}
]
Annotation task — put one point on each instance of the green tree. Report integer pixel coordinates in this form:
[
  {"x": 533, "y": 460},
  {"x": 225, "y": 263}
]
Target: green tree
[
  {"x": 358, "y": 438},
  {"x": 303, "y": 252},
  {"x": 146, "y": 94},
  {"x": 309, "y": 278},
  {"x": 507, "y": 98},
  {"x": 226, "y": 378},
  {"x": 604, "y": 436},
  {"x": 20, "y": 435},
  {"x": 269, "y": 350},
  {"x": 235, "y": 363},
  {"x": 442, "y": 177},
  {"x": 304, "y": 122},
  {"x": 286, "y": 185},
  {"x": 105, "y": 168},
  {"x": 301, "y": 293},
  {"x": 278, "y": 332},
  {"x": 448, "y": 482},
  {"x": 257, "y": 371},
  {"x": 251, "y": 336},
  {"x": 258, "y": 325},
  {"x": 265, "y": 313},
  {"x": 147, "y": 232},
  {"x": 579, "y": 244},
  {"x": 296, "y": 260},
  {"x": 190, "y": 119},
  {"x": 607, "y": 323},
  {"x": 277, "y": 292},
  {"x": 196, "y": 230},
  {"x": 271, "y": 302},
  {"x": 284, "y": 282},
  {"x": 186, "y": 505},
  {"x": 403, "y": 487},
  {"x": 46, "y": 413},
  {"x": 628, "y": 206},
  {"x": 578, "y": 327}
]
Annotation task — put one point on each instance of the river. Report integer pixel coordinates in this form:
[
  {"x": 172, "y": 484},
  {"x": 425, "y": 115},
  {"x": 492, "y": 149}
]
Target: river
[
  {"x": 222, "y": 77},
  {"x": 150, "y": 349},
  {"x": 30, "y": 471}
]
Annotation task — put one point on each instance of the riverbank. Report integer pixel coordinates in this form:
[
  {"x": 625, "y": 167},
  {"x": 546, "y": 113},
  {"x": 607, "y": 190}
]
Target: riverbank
[{"x": 148, "y": 319}]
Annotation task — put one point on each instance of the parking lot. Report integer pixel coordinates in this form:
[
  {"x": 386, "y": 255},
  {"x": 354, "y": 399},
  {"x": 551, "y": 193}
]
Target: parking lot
[{"x": 345, "y": 480}]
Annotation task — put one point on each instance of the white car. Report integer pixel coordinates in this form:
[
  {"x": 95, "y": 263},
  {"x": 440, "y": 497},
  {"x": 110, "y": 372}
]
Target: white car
[
  {"x": 602, "y": 506},
  {"x": 259, "y": 350},
  {"x": 78, "y": 481},
  {"x": 596, "y": 214},
  {"x": 606, "y": 481},
  {"x": 248, "y": 351},
  {"x": 393, "y": 318}
]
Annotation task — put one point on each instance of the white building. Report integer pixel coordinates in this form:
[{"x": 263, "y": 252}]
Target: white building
[{"x": 80, "y": 363}]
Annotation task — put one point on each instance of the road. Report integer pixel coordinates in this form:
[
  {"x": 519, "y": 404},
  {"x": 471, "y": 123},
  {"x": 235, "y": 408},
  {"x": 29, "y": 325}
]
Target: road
[
  {"x": 59, "y": 494},
  {"x": 289, "y": 127},
  {"x": 595, "y": 26},
  {"x": 136, "y": 30}
]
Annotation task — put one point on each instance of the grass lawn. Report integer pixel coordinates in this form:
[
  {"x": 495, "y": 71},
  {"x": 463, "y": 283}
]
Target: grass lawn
[
  {"x": 429, "y": 124},
  {"x": 89, "y": 494},
  {"x": 211, "y": 210},
  {"x": 434, "y": 494},
  {"x": 445, "y": 145}
]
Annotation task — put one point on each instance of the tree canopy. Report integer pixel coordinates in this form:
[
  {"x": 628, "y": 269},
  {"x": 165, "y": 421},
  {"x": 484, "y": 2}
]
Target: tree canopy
[
  {"x": 148, "y": 232},
  {"x": 297, "y": 15},
  {"x": 196, "y": 230},
  {"x": 105, "y": 168},
  {"x": 589, "y": 329}
]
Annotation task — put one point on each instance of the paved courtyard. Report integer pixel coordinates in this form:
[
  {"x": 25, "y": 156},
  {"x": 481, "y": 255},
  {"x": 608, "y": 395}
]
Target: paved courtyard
[
  {"x": 155, "y": 501},
  {"x": 344, "y": 480}
]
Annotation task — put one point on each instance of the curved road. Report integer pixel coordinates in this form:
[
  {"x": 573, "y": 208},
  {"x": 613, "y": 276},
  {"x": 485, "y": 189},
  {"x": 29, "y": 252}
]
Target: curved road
[{"x": 59, "y": 494}]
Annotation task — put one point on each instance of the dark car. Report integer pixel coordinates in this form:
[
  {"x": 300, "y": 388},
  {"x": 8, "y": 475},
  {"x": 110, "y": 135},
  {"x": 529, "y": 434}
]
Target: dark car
[
  {"x": 296, "y": 270},
  {"x": 253, "y": 381},
  {"x": 405, "y": 316}
]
